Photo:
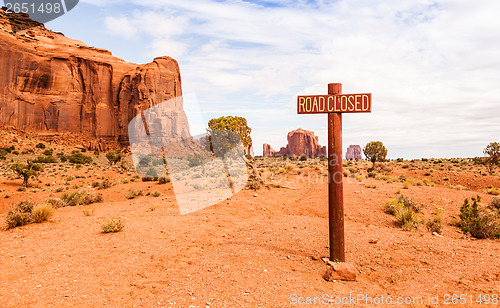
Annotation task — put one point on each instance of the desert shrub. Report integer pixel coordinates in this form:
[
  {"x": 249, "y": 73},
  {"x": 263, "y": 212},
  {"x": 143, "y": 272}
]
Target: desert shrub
[
  {"x": 148, "y": 179},
  {"x": 427, "y": 182},
  {"x": 435, "y": 224},
  {"x": 3, "y": 154},
  {"x": 63, "y": 158},
  {"x": 79, "y": 159},
  {"x": 164, "y": 180},
  {"x": 406, "y": 184},
  {"x": 45, "y": 160},
  {"x": 81, "y": 197},
  {"x": 114, "y": 157},
  {"x": 21, "y": 188},
  {"x": 493, "y": 191},
  {"x": 55, "y": 202},
  {"x": 88, "y": 212},
  {"x": 42, "y": 212},
  {"x": 155, "y": 194},
  {"x": 372, "y": 174},
  {"x": 495, "y": 203},
  {"x": 303, "y": 158},
  {"x": 48, "y": 152},
  {"x": 369, "y": 185},
  {"x": 407, "y": 218},
  {"x": 40, "y": 146},
  {"x": 19, "y": 214},
  {"x": 254, "y": 184},
  {"x": 106, "y": 183},
  {"x": 353, "y": 170},
  {"x": 132, "y": 193},
  {"x": 390, "y": 206},
  {"x": 479, "y": 221},
  {"x": 112, "y": 225},
  {"x": 409, "y": 203}
]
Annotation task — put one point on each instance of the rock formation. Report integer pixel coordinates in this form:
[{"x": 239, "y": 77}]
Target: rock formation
[
  {"x": 50, "y": 83},
  {"x": 300, "y": 143},
  {"x": 353, "y": 152}
]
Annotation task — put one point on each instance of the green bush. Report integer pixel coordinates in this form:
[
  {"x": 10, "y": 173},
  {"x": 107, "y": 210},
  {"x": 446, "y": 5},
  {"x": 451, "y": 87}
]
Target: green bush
[
  {"x": 114, "y": 157},
  {"x": 48, "y": 152},
  {"x": 479, "y": 221},
  {"x": 79, "y": 158},
  {"x": 40, "y": 146},
  {"x": 45, "y": 160}
]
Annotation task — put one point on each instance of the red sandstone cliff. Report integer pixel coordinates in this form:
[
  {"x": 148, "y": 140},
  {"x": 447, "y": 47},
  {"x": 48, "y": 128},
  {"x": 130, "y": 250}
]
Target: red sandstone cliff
[
  {"x": 51, "y": 83},
  {"x": 300, "y": 143}
]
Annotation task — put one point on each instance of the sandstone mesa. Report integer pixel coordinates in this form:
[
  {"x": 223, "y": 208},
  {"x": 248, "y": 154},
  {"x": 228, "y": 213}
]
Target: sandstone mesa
[
  {"x": 300, "y": 143},
  {"x": 53, "y": 84}
]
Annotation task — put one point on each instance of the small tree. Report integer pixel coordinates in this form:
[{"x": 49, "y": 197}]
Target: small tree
[
  {"x": 375, "y": 151},
  {"x": 27, "y": 171},
  {"x": 492, "y": 153},
  {"x": 219, "y": 128},
  {"x": 114, "y": 157},
  {"x": 234, "y": 124}
]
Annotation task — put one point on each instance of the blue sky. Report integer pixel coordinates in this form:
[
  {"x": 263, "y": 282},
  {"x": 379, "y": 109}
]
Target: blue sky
[{"x": 433, "y": 66}]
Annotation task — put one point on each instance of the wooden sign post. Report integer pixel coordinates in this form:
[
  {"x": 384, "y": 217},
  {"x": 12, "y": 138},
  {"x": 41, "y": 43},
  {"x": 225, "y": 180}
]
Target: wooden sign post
[{"x": 335, "y": 103}]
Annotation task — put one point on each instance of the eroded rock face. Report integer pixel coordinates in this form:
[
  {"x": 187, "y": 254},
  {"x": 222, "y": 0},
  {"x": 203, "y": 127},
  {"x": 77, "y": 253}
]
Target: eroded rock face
[
  {"x": 353, "y": 152},
  {"x": 50, "y": 83},
  {"x": 300, "y": 143}
]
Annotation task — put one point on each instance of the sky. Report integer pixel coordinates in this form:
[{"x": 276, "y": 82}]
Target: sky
[{"x": 433, "y": 67}]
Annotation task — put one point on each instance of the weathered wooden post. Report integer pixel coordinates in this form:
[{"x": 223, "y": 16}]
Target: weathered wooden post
[{"x": 335, "y": 103}]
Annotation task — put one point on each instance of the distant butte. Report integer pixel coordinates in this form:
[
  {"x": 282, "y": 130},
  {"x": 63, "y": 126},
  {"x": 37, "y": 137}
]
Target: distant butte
[
  {"x": 54, "y": 84},
  {"x": 300, "y": 143},
  {"x": 353, "y": 152}
]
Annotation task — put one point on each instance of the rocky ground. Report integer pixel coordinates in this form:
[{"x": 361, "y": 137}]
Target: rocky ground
[{"x": 260, "y": 248}]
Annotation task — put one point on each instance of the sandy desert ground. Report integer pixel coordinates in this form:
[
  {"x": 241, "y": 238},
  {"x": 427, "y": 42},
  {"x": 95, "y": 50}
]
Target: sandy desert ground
[{"x": 260, "y": 248}]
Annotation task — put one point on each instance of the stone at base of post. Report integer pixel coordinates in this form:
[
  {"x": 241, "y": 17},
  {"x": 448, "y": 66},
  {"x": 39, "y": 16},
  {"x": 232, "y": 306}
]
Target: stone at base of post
[{"x": 340, "y": 271}]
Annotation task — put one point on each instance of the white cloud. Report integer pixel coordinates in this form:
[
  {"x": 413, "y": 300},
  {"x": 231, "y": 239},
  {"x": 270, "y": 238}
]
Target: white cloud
[{"x": 433, "y": 66}]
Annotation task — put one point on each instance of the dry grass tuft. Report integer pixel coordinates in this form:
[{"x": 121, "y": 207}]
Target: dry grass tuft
[{"x": 109, "y": 225}]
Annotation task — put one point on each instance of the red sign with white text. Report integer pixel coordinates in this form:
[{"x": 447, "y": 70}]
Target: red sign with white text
[{"x": 340, "y": 103}]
